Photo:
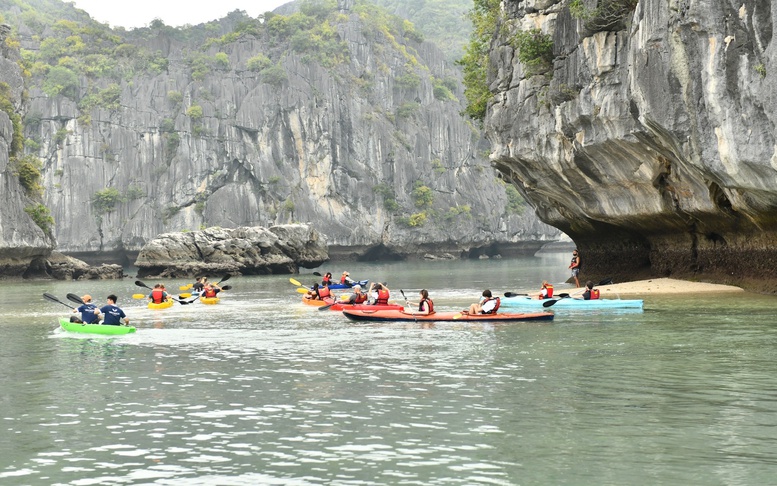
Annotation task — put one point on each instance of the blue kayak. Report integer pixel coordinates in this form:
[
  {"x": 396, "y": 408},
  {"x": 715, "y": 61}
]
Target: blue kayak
[
  {"x": 338, "y": 286},
  {"x": 523, "y": 302}
]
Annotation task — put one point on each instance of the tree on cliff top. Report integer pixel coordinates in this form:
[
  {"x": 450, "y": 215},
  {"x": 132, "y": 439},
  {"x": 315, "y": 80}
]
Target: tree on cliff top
[{"x": 485, "y": 17}]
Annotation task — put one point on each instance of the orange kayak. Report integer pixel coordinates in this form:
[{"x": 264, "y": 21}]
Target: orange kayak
[
  {"x": 397, "y": 315},
  {"x": 318, "y": 303}
]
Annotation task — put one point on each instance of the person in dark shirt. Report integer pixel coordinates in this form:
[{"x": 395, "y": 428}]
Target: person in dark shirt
[{"x": 113, "y": 315}]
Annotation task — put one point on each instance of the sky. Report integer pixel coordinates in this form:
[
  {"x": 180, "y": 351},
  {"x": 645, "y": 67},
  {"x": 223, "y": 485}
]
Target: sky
[{"x": 139, "y": 13}]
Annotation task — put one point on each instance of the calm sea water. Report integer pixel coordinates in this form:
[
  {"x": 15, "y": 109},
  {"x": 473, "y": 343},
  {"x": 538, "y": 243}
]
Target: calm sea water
[{"x": 263, "y": 390}]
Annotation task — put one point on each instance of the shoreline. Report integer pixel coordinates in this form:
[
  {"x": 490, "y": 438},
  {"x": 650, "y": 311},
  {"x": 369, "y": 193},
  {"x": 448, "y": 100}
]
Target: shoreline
[{"x": 656, "y": 286}]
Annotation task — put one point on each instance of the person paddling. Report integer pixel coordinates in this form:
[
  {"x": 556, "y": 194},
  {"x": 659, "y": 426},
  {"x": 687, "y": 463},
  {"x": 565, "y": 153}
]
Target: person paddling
[
  {"x": 90, "y": 314},
  {"x": 546, "y": 292},
  {"x": 327, "y": 279},
  {"x": 211, "y": 291},
  {"x": 113, "y": 315},
  {"x": 425, "y": 304},
  {"x": 357, "y": 297},
  {"x": 345, "y": 279},
  {"x": 199, "y": 284},
  {"x": 158, "y": 295}
]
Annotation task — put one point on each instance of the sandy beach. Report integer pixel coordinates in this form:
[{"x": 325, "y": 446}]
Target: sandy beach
[{"x": 662, "y": 286}]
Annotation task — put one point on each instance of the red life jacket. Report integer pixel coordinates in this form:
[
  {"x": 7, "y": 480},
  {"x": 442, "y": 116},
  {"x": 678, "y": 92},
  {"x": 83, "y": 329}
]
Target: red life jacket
[
  {"x": 594, "y": 294},
  {"x": 383, "y": 296},
  {"x": 326, "y": 280},
  {"x": 342, "y": 279},
  {"x": 549, "y": 290},
  {"x": 323, "y": 292},
  {"x": 157, "y": 296},
  {"x": 360, "y": 298},
  {"x": 210, "y": 293},
  {"x": 429, "y": 304},
  {"x": 496, "y": 305}
]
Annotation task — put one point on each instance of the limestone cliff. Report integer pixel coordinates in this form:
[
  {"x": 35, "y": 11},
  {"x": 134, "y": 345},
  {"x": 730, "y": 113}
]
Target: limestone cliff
[
  {"x": 353, "y": 126},
  {"x": 651, "y": 140},
  {"x": 24, "y": 246}
]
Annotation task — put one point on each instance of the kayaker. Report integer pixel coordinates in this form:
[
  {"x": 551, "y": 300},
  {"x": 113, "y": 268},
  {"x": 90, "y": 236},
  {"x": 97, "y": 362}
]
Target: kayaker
[
  {"x": 158, "y": 295},
  {"x": 89, "y": 312},
  {"x": 380, "y": 293},
  {"x": 327, "y": 279},
  {"x": 312, "y": 293},
  {"x": 425, "y": 305},
  {"x": 112, "y": 314},
  {"x": 324, "y": 292},
  {"x": 590, "y": 292},
  {"x": 210, "y": 291},
  {"x": 357, "y": 297},
  {"x": 199, "y": 284},
  {"x": 488, "y": 304},
  {"x": 575, "y": 267},
  {"x": 546, "y": 292},
  {"x": 345, "y": 279}
]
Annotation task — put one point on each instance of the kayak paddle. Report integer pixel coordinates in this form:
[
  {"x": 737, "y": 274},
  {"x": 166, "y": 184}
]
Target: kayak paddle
[
  {"x": 295, "y": 282},
  {"x": 513, "y": 294},
  {"x": 54, "y": 299},
  {"x": 302, "y": 290},
  {"x": 75, "y": 298},
  {"x": 407, "y": 303}
]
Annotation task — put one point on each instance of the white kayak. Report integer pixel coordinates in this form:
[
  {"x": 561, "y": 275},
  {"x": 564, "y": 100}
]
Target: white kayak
[{"x": 523, "y": 302}]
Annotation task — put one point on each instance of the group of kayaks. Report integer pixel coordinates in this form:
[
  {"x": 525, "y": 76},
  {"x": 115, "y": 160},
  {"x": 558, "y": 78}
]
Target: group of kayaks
[{"x": 522, "y": 307}]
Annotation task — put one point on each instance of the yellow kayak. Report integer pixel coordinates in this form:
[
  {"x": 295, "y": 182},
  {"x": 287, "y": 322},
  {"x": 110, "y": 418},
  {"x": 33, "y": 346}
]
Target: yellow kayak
[
  {"x": 163, "y": 305},
  {"x": 209, "y": 300}
]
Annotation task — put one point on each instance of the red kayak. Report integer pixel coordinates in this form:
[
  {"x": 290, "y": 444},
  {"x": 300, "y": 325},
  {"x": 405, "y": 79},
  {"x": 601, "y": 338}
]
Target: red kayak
[
  {"x": 397, "y": 315},
  {"x": 365, "y": 307}
]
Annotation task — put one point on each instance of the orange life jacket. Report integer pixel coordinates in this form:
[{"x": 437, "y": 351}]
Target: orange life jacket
[
  {"x": 323, "y": 292},
  {"x": 210, "y": 293},
  {"x": 360, "y": 298},
  {"x": 549, "y": 291},
  {"x": 496, "y": 306}
]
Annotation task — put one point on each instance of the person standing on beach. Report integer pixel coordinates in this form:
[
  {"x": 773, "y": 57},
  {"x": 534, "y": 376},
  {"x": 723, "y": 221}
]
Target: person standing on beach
[{"x": 575, "y": 267}]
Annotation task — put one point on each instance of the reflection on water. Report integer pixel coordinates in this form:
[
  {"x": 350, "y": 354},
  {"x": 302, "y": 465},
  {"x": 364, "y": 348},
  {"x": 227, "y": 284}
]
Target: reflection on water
[{"x": 263, "y": 390}]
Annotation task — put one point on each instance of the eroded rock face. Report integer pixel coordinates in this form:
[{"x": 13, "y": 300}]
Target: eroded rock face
[
  {"x": 244, "y": 250},
  {"x": 342, "y": 148},
  {"x": 23, "y": 245},
  {"x": 652, "y": 145}
]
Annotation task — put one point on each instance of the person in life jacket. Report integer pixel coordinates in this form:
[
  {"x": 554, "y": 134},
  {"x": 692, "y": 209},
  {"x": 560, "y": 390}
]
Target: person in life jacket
[
  {"x": 327, "y": 279},
  {"x": 381, "y": 292},
  {"x": 211, "y": 290},
  {"x": 546, "y": 292},
  {"x": 324, "y": 292},
  {"x": 425, "y": 305},
  {"x": 488, "y": 304},
  {"x": 158, "y": 294},
  {"x": 345, "y": 279},
  {"x": 358, "y": 297},
  {"x": 590, "y": 292}
]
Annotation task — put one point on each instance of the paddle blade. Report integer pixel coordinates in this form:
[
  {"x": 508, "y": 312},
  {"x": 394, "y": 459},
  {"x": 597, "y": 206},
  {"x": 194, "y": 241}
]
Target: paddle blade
[
  {"x": 184, "y": 296},
  {"x": 224, "y": 278},
  {"x": 141, "y": 284},
  {"x": 317, "y": 274},
  {"x": 302, "y": 290},
  {"x": 226, "y": 287},
  {"x": 138, "y": 296},
  {"x": 549, "y": 303},
  {"x": 325, "y": 307},
  {"x": 562, "y": 296},
  {"x": 513, "y": 294},
  {"x": 295, "y": 282},
  {"x": 75, "y": 298},
  {"x": 606, "y": 281},
  {"x": 458, "y": 316},
  {"x": 55, "y": 299},
  {"x": 185, "y": 287}
]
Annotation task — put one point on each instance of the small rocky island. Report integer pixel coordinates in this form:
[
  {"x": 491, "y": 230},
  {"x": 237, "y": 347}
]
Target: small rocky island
[{"x": 246, "y": 250}]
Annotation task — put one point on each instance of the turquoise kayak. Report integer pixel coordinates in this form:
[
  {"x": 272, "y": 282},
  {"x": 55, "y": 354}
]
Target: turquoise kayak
[
  {"x": 522, "y": 302},
  {"x": 94, "y": 328}
]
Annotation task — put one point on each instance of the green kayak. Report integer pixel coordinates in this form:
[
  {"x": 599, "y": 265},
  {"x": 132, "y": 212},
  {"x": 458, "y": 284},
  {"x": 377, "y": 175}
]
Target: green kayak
[{"x": 94, "y": 328}]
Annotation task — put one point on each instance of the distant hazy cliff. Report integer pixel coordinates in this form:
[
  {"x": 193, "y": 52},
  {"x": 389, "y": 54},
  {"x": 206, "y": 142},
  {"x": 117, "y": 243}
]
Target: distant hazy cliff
[
  {"x": 651, "y": 141},
  {"x": 367, "y": 145}
]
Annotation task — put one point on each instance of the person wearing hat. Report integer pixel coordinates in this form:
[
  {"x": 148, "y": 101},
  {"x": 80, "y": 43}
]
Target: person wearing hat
[
  {"x": 358, "y": 297},
  {"x": 90, "y": 314},
  {"x": 345, "y": 279}
]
